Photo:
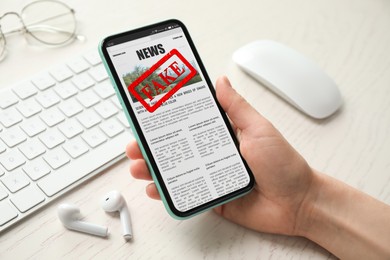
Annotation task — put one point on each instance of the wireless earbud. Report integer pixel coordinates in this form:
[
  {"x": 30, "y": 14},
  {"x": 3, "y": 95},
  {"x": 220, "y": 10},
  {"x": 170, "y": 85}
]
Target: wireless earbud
[
  {"x": 114, "y": 201},
  {"x": 70, "y": 216}
]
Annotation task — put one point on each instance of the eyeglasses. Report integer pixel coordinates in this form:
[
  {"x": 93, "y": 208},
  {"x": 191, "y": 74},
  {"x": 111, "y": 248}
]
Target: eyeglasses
[{"x": 48, "y": 21}]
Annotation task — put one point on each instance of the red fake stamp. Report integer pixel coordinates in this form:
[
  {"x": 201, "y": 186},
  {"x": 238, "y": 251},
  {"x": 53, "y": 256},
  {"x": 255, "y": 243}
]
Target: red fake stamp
[{"x": 162, "y": 80}]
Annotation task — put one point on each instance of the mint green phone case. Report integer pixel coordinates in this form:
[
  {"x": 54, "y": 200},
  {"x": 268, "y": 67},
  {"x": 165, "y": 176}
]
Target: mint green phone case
[{"x": 144, "y": 152}]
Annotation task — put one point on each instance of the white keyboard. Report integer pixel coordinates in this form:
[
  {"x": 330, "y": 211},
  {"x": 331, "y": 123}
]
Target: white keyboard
[{"x": 57, "y": 129}]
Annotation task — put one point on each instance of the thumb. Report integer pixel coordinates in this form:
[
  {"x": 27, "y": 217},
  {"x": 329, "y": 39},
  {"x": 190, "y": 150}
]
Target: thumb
[{"x": 236, "y": 107}]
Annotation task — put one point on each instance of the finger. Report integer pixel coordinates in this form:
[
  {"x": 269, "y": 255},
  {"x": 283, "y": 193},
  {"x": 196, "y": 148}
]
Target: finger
[
  {"x": 139, "y": 170},
  {"x": 218, "y": 210},
  {"x": 133, "y": 151},
  {"x": 128, "y": 149},
  {"x": 152, "y": 192},
  {"x": 236, "y": 130},
  {"x": 237, "y": 108}
]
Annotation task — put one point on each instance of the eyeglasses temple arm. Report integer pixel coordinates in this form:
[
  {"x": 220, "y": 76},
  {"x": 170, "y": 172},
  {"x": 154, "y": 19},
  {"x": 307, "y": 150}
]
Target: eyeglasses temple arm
[{"x": 26, "y": 26}]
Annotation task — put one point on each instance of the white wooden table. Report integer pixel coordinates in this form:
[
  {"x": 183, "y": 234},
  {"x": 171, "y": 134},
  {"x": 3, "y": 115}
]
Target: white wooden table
[{"x": 349, "y": 39}]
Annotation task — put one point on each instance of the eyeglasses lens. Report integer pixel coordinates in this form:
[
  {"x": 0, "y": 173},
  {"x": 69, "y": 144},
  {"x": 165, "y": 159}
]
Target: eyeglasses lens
[{"x": 50, "y": 22}]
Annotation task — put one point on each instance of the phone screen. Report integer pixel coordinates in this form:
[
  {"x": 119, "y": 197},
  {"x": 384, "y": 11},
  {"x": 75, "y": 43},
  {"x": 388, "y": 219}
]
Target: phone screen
[{"x": 171, "y": 103}]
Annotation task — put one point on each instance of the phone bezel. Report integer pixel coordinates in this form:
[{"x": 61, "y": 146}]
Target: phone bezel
[{"x": 155, "y": 171}]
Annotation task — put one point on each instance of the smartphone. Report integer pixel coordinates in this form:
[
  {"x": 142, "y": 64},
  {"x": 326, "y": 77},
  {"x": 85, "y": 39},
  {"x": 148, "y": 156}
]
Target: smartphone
[{"x": 184, "y": 135}]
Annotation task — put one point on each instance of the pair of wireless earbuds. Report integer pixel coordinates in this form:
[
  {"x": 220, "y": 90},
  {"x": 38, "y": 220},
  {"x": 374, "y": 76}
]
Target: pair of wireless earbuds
[{"x": 71, "y": 218}]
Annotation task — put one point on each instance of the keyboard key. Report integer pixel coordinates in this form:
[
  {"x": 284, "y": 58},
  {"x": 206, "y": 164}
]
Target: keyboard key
[
  {"x": 88, "y": 98},
  {"x": 43, "y": 81},
  {"x": 75, "y": 147},
  {"x": 56, "y": 158},
  {"x": 61, "y": 73},
  {"x": 89, "y": 118},
  {"x": 122, "y": 118},
  {"x": 52, "y": 116},
  {"x": 104, "y": 90},
  {"x": 70, "y": 107},
  {"x": 116, "y": 102},
  {"x": 15, "y": 181},
  {"x": 98, "y": 73},
  {"x": 25, "y": 90},
  {"x": 83, "y": 81},
  {"x": 51, "y": 138},
  {"x": 78, "y": 65},
  {"x": 106, "y": 109},
  {"x": 10, "y": 117},
  {"x": 65, "y": 89},
  {"x": 111, "y": 127},
  {"x": 36, "y": 169},
  {"x": 8, "y": 212},
  {"x": 93, "y": 57},
  {"x": 13, "y": 136},
  {"x": 71, "y": 128},
  {"x": 12, "y": 159},
  {"x": 32, "y": 148},
  {"x": 48, "y": 98},
  {"x": 7, "y": 99},
  {"x": 33, "y": 126},
  {"x": 3, "y": 194},
  {"x": 94, "y": 137},
  {"x": 2, "y": 149},
  {"x": 29, "y": 108},
  {"x": 28, "y": 198}
]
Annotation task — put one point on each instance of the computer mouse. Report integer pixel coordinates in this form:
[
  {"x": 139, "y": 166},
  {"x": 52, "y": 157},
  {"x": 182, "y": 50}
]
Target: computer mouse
[{"x": 291, "y": 75}]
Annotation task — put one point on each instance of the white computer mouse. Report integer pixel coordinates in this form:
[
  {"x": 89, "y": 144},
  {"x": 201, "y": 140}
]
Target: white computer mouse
[{"x": 291, "y": 75}]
